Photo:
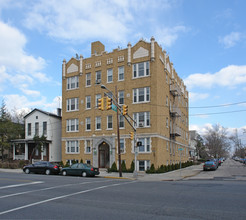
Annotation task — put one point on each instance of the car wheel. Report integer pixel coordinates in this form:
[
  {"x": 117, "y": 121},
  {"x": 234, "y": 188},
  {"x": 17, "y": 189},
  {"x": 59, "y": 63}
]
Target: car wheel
[
  {"x": 27, "y": 171},
  {"x": 47, "y": 172},
  {"x": 84, "y": 174},
  {"x": 64, "y": 173}
]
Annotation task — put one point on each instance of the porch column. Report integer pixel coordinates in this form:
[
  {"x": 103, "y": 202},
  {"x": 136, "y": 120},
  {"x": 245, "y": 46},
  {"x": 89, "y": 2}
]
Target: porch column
[
  {"x": 13, "y": 151},
  {"x": 26, "y": 151},
  {"x": 42, "y": 152}
]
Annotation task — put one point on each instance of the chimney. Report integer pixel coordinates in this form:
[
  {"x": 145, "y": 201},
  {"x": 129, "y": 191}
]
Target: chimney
[{"x": 59, "y": 112}]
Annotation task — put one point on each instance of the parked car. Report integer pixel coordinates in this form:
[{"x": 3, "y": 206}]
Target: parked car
[
  {"x": 80, "y": 169},
  {"x": 42, "y": 167},
  {"x": 210, "y": 165}
]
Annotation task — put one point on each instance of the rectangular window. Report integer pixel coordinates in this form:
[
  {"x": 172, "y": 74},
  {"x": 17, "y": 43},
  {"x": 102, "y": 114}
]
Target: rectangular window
[
  {"x": 141, "y": 95},
  {"x": 143, "y": 165},
  {"x": 121, "y": 121},
  {"x": 98, "y": 77},
  {"x": 88, "y": 79},
  {"x": 36, "y": 128},
  {"x": 121, "y": 97},
  {"x": 88, "y": 146},
  {"x": 98, "y": 123},
  {"x": 98, "y": 96},
  {"x": 110, "y": 75},
  {"x": 88, "y": 102},
  {"x": 110, "y": 122},
  {"x": 140, "y": 69},
  {"x": 29, "y": 129},
  {"x": 145, "y": 147},
  {"x": 72, "y": 104},
  {"x": 73, "y": 125},
  {"x": 142, "y": 119},
  {"x": 121, "y": 73},
  {"x": 167, "y": 122},
  {"x": 72, "y": 147},
  {"x": 88, "y": 124},
  {"x": 122, "y": 145},
  {"x": 167, "y": 146},
  {"x": 72, "y": 82},
  {"x": 45, "y": 128}
]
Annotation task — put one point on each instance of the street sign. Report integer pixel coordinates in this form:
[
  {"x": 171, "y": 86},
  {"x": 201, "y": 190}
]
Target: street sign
[
  {"x": 114, "y": 107},
  {"x": 180, "y": 149}
]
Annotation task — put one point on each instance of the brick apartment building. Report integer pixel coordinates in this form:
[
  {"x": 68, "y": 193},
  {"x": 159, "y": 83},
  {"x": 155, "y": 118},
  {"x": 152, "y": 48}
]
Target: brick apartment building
[{"x": 148, "y": 84}]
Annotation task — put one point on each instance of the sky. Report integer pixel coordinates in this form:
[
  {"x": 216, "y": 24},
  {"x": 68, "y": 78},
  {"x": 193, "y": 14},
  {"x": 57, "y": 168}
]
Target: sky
[{"x": 205, "y": 39}]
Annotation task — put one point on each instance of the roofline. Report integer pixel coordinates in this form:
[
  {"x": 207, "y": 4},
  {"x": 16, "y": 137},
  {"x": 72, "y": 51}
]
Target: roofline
[{"x": 44, "y": 112}]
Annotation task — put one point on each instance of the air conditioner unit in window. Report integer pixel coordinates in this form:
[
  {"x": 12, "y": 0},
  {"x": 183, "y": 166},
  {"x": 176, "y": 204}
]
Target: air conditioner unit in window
[
  {"x": 140, "y": 124},
  {"x": 98, "y": 81}
]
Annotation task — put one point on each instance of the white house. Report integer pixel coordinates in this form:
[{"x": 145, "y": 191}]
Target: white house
[{"x": 40, "y": 123}]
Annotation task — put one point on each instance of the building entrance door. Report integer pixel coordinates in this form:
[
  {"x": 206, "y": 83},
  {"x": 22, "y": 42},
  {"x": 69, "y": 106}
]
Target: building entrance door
[{"x": 103, "y": 155}]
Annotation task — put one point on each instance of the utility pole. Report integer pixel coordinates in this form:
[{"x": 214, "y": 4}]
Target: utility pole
[{"x": 118, "y": 133}]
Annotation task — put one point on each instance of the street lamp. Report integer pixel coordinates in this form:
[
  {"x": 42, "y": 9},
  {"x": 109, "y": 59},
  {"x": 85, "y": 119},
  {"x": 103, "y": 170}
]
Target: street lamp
[{"x": 118, "y": 130}]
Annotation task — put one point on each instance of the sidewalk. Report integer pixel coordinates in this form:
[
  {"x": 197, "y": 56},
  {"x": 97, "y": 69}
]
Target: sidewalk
[{"x": 169, "y": 176}]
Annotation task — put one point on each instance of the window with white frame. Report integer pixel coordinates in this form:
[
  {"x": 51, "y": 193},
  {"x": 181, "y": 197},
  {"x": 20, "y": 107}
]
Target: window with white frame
[
  {"x": 88, "y": 124},
  {"x": 121, "y": 73},
  {"x": 29, "y": 129},
  {"x": 166, "y": 100},
  {"x": 142, "y": 119},
  {"x": 98, "y": 123},
  {"x": 140, "y": 69},
  {"x": 98, "y": 96},
  {"x": 88, "y": 102},
  {"x": 45, "y": 128},
  {"x": 143, "y": 165},
  {"x": 121, "y": 121},
  {"x": 87, "y": 146},
  {"x": 72, "y": 147},
  {"x": 145, "y": 147},
  {"x": 121, "y": 97},
  {"x": 141, "y": 95},
  {"x": 109, "y": 122},
  {"x": 167, "y": 122},
  {"x": 72, "y": 125},
  {"x": 98, "y": 77},
  {"x": 167, "y": 146},
  {"x": 110, "y": 75},
  {"x": 88, "y": 79},
  {"x": 166, "y": 78},
  {"x": 36, "y": 128},
  {"x": 122, "y": 145},
  {"x": 72, "y": 82},
  {"x": 72, "y": 104}
]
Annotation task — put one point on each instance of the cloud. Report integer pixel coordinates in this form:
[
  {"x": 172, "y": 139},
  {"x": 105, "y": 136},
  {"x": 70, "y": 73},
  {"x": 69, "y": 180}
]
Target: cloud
[
  {"x": 231, "y": 39},
  {"x": 112, "y": 20},
  {"x": 227, "y": 77},
  {"x": 22, "y": 102},
  {"x": 197, "y": 96},
  {"x": 12, "y": 53},
  {"x": 168, "y": 36}
]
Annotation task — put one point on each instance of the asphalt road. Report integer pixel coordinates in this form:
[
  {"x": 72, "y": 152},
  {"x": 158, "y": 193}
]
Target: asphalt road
[{"x": 36, "y": 196}]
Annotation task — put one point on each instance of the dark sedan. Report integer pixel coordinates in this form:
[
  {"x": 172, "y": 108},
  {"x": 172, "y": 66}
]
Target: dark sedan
[
  {"x": 42, "y": 167},
  {"x": 210, "y": 165},
  {"x": 80, "y": 169}
]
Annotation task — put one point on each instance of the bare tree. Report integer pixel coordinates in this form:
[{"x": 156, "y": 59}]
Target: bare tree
[
  {"x": 239, "y": 148},
  {"x": 216, "y": 141}
]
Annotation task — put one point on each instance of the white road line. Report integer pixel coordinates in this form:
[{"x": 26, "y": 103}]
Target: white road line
[
  {"x": 64, "y": 196},
  {"x": 53, "y": 187},
  {"x": 23, "y": 184}
]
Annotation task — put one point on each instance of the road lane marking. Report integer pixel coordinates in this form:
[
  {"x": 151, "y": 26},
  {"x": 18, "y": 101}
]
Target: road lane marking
[
  {"x": 23, "y": 184},
  {"x": 64, "y": 196},
  {"x": 48, "y": 188}
]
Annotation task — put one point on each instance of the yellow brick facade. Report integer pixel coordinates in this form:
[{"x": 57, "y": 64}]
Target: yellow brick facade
[{"x": 155, "y": 96}]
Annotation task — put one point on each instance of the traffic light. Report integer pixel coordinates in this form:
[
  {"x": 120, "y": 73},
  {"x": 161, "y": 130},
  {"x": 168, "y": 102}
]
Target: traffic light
[
  {"x": 132, "y": 135},
  {"x": 101, "y": 104},
  {"x": 109, "y": 103},
  {"x": 125, "y": 109}
]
